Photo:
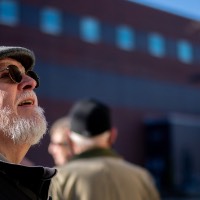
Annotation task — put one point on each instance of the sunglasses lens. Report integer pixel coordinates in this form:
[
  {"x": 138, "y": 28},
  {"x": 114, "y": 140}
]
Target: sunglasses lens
[
  {"x": 14, "y": 73},
  {"x": 33, "y": 75}
]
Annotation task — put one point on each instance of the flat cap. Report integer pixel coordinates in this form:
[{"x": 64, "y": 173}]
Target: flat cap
[{"x": 23, "y": 55}]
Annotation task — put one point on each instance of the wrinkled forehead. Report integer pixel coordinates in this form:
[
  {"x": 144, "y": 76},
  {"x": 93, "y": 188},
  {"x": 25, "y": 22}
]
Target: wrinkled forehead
[{"x": 9, "y": 61}]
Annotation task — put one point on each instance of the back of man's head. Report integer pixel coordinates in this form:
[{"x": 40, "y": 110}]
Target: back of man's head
[{"x": 90, "y": 123}]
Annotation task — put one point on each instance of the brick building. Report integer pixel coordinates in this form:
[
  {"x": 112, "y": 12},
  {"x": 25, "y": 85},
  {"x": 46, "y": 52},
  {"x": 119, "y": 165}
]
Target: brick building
[{"x": 142, "y": 62}]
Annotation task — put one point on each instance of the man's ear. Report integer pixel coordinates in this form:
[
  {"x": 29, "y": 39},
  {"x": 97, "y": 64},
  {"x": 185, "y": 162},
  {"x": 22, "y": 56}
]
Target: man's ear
[
  {"x": 113, "y": 136},
  {"x": 70, "y": 142}
]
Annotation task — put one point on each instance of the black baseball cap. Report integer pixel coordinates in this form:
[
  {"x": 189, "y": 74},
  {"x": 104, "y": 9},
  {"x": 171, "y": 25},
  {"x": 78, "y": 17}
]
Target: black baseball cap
[
  {"x": 89, "y": 118},
  {"x": 23, "y": 55}
]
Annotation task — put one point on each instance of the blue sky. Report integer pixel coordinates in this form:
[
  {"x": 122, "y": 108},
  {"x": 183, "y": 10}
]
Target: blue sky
[{"x": 186, "y": 8}]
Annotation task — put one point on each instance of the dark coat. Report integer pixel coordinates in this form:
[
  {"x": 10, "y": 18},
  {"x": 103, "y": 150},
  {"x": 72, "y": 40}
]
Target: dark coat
[{"x": 24, "y": 183}]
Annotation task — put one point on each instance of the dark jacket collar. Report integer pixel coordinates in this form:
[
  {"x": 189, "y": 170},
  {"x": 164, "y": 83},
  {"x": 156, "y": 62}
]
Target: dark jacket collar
[
  {"x": 17, "y": 171},
  {"x": 36, "y": 179}
]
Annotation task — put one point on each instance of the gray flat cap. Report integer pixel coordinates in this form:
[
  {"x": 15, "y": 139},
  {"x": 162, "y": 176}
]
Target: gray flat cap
[{"x": 25, "y": 56}]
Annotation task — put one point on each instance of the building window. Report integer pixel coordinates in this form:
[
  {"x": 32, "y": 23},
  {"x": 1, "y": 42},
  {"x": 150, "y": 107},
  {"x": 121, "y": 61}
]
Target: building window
[
  {"x": 90, "y": 30},
  {"x": 51, "y": 21},
  {"x": 184, "y": 49},
  {"x": 156, "y": 45},
  {"x": 9, "y": 13},
  {"x": 125, "y": 37}
]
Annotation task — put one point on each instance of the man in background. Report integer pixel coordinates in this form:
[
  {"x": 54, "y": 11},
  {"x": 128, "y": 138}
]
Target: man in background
[
  {"x": 58, "y": 146},
  {"x": 96, "y": 171}
]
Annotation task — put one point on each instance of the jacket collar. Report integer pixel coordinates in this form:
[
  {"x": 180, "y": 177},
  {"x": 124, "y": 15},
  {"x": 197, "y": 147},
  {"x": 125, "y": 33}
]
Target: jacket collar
[{"x": 96, "y": 152}]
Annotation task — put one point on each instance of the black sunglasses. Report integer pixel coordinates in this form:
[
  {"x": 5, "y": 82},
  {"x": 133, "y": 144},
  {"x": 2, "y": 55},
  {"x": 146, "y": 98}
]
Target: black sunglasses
[{"x": 16, "y": 75}]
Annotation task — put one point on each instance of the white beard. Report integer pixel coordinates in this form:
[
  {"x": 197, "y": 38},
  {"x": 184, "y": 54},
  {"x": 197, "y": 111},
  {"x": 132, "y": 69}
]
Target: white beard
[{"x": 23, "y": 130}]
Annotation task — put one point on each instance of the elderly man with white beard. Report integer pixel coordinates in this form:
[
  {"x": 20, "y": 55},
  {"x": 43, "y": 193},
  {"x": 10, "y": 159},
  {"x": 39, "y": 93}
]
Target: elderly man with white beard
[{"x": 22, "y": 124}]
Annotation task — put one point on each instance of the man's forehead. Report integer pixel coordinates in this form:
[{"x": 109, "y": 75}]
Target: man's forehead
[{"x": 8, "y": 61}]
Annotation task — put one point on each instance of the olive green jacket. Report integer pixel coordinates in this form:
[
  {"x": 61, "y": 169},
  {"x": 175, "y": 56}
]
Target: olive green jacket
[{"x": 100, "y": 174}]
